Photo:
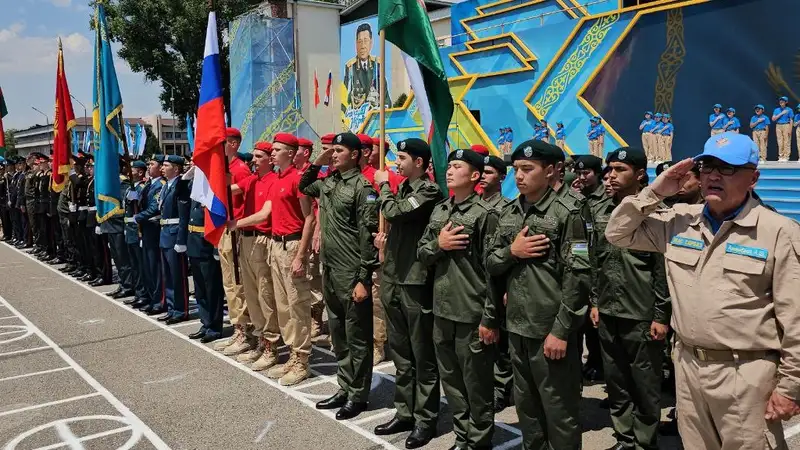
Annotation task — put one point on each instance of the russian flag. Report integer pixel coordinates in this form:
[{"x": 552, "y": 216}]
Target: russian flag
[{"x": 210, "y": 187}]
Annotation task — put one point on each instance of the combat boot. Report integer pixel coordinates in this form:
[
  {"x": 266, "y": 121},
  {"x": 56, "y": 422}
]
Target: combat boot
[
  {"x": 317, "y": 325},
  {"x": 281, "y": 369},
  {"x": 223, "y": 344},
  {"x": 297, "y": 372},
  {"x": 252, "y": 355},
  {"x": 269, "y": 357},
  {"x": 245, "y": 343}
]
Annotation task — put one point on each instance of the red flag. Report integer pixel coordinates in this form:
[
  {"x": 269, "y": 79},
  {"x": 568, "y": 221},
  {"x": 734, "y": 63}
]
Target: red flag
[
  {"x": 316, "y": 89},
  {"x": 328, "y": 89},
  {"x": 63, "y": 122}
]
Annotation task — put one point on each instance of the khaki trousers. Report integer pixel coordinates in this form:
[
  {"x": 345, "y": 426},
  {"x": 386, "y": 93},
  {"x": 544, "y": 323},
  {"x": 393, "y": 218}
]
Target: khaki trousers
[
  {"x": 560, "y": 143},
  {"x": 797, "y": 135},
  {"x": 721, "y": 405},
  {"x": 646, "y": 146},
  {"x": 257, "y": 283},
  {"x": 716, "y": 131},
  {"x": 292, "y": 297},
  {"x": 234, "y": 294},
  {"x": 783, "y": 131},
  {"x": 378, "y": 315},
  {"x": 666, "y": 148},
  {"x": 760, "y": 138}
]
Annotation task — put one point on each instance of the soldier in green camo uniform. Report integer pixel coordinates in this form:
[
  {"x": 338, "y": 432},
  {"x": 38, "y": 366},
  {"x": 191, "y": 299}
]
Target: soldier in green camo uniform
[
  {"x": 541, "y": 255},
  {"x": 407, "y": 295},
  {"x": 465, "y": 316},
  {"x": 349, "y": 217},
  {"x": 631, "y": 307}
]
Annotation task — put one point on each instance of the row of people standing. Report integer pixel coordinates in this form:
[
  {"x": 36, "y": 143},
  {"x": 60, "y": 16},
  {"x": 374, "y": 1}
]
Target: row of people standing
[
  {"x": 657, "y": 131},
  {"x": 782, "y": 116}
]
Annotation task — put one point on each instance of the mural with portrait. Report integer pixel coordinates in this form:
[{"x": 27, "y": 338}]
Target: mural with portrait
[{"x": 360, "y": 87}]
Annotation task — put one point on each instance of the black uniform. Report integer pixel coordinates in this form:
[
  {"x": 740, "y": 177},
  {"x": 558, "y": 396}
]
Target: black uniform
[
  {"x": 207, "y": 274},
  {"x": 5, "y": 212}
]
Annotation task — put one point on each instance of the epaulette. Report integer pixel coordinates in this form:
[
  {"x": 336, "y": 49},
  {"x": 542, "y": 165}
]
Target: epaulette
[
  {"x": 123, "y": 177},
  {"x": 350, "y": 61},
  {"x": 163, "y": 181},
  {"x": 571, "y": 206}
]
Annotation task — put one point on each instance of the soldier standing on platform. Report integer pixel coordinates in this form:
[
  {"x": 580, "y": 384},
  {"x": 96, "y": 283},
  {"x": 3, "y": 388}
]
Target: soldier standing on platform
[
  {"x": 349, "y": 216},
  {"x": 666, "y": 132},
  {"x": 796, "y": 125},
  {"x": 646, "y": 127},
  {"x": 148, "y": 220},
  {"x": 759, "y": 123},
  {"x": 174, "y": 208},
  {"x": 113, "y": 229},
  {"x": 407, "y": 295},
  {"x": 206, "y": 273},
  {"x": 539, "y": 252},
  {"x": 132, "y": 195},
  {"x": 716, "y": 120},
  {"x": 369, "y": 165},
  {"x": 466, "y": 322},
  {"x": 782, "y": 116},
  {"x": 630, "y": 307},
  {"x": 731, "y": 122}
]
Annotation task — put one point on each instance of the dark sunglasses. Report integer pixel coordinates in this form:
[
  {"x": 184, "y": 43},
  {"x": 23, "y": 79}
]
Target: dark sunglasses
[{"x": 723, "y": 169}]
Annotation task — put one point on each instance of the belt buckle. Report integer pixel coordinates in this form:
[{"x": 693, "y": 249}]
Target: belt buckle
[{"x": 700, "y": 354}]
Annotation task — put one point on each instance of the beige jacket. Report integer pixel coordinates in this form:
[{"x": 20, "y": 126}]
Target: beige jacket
[{"x": 738, "y": 289}]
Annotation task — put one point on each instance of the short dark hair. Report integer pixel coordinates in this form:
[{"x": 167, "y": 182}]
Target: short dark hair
[{"x": 364, "y": 27}]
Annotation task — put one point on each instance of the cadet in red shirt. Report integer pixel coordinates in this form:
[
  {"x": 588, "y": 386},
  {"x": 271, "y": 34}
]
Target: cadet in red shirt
[
  {"x": 255, "y": 229},
  {"x": 292, "y": 229},
  {"x": 242, "y": 339}
]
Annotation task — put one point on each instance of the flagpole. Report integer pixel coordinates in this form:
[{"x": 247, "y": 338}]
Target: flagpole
[{"x": 382, "y": 90}]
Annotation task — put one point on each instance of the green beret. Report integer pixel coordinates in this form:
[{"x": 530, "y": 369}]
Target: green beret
[
  {"x": 634, "y": 157},
  {"x": 589, "y": 162},
  {"x": 415, "y": 147},
  {"x": 348, "y": 140},
  {"x": 468, "y": 156},
  {"x": 245, "y": 156},
  {"x": 175, "y": 159},
  {"x": 537, "y": 150}
]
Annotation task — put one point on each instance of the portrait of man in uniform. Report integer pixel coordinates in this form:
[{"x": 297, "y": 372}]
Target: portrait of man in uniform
[{"x": 363, "y": 71}]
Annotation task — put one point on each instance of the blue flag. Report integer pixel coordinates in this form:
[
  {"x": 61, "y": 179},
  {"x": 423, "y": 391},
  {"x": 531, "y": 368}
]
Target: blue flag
[
  {"x": 76, "y": 143},
  {"x": 107, "y": 121},
  {"x": 190, "y": 133}
]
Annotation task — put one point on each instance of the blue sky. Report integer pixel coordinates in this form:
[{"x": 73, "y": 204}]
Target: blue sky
[{"x": 28, "y": 47}]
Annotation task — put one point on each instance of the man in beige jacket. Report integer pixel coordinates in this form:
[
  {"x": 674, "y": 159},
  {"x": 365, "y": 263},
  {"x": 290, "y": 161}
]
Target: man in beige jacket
[{"x": 733, "y": 269}]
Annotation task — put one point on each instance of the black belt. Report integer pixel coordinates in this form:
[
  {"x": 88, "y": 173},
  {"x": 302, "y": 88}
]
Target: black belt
[
  {"x": 251, "y": 233},
  {"x": 288, "y": 237}
]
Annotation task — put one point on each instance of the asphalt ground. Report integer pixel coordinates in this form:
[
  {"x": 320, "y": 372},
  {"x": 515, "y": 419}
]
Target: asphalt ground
[{"x": 80, "y": 370}]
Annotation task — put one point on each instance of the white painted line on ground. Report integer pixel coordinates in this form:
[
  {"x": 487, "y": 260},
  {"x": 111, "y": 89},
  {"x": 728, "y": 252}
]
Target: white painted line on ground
[
  {"x": 33, "y": 374},
  {"x": 88, "y": 437},
  {"x": 509, "y": 444},
  {"x": 27, "y": 350},
  {"x": 363, "y": 420},
  {"x": 285, "y": 390},
  {"x": 186, "y": 324},
  {"x": 8, "y": 317},
  {"x": 263, "y": 433},
  {"x": 45, "y": 405},
  {"x": 155, "y": 440}
]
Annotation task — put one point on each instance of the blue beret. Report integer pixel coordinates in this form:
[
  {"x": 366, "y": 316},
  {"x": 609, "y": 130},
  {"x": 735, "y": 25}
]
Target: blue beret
[
  {"x": 139, "y": 165},
  {"x": 158, "y": 158},
  {"x": 175, "y": 159}
]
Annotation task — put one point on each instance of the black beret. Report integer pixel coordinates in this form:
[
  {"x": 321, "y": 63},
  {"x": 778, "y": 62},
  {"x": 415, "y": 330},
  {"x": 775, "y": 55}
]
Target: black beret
[
  {"x": 415, "y": 147},
  {"x": 663, "y": 166},
  {"x": 348, "y": 140},
  {"x": 589, "y": 162},
  {"x": 537, "y": 150},
  {"x": 468, "y": 156},
  {"x": 632, "y": 156},
  {"x": 497, "y": 163}
]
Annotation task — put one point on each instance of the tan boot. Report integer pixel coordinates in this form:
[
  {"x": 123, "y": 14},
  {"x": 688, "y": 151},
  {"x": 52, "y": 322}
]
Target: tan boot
[
  {"x": 378, "y": 354},
  {"x": 317, "y": 325},
  {"x": 269, "y": 357},
  {"x": 221, "y": 345},
  {"x": 297, "y": 373},
  {"x": 246, "y": 342},
  {"x": 281, "y": 369},
  {"x": 252, "y": 355}
]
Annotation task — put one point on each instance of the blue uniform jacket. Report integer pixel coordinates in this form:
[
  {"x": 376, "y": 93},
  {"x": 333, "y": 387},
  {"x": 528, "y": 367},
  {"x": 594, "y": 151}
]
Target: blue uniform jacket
[
  {"x": 561, "y": 134},
  {"x": 786, "y": 118},
  {"x": 174, "y": 205},
  {"x": 666, "y": 130},
  {"x": 647, "y": 125},
  {"x": 148, "y": 215},
  {"x": 760, "y": 125},
  {"x": 196, "y": 243},
  {"x": 796, "y": 119},
  {"x": 130, "y": 199},
  {"x": 732, "y": 123},
  {"x": 720, "y": 123}
]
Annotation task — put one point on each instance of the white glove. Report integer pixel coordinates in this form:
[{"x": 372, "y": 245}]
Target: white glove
[
  {"x": 216, "y": 257},
  {"x": 180, "y": 248},
  {"x": 132, "y": 195},
  {"x": 73, "y": 207},
  {"x": 97, "y": 230},
  {"x": 140, "y": 244},
  {"x": 9, "y": 204},
  {"x": 189, "y": 174}
]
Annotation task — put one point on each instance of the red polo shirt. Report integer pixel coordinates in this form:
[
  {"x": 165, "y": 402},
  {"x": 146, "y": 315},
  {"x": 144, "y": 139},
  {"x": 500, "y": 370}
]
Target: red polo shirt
[
  {"x": 239, "y": 172},
  {"x": 287, "y": 215},
  {"x": 257, "y": 190}
]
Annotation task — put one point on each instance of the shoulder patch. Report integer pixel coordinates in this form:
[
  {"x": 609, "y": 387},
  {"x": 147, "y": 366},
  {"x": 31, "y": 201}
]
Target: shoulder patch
[
  {"x": 163, "y": 181},
  {"x": 571, "y": 206}
]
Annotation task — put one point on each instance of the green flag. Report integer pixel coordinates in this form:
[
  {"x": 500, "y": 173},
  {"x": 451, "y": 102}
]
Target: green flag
[{"x": 407, "y": 26}]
